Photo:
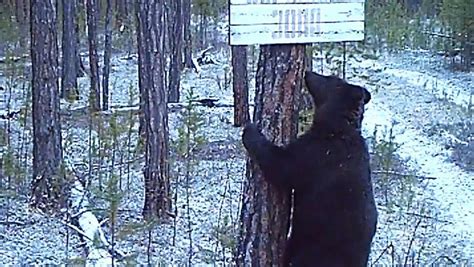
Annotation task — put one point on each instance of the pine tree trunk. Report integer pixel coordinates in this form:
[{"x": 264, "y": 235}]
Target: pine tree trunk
[
  {"x": 265, "y": 210},
  {"x": 176, "y": 46},
  {"x": 306, "y": 102},
  {"x": 107, "y": 54},
  {"x": 309, "y": 57},
  {"x": 188, "y": 45},
  {"x": 48, "y": 185},
  {"x": 92, "y": 17},
  {"x": 200, "y": 31},
  {"x": 151, "y": 81},
  {"x": 69, "y": 49},
  {"x": 121, "y": 11},
  {"x": 79, "y": 64},
  {"x": 240, "y": 85},
  {"x": 21, "y": 14}
]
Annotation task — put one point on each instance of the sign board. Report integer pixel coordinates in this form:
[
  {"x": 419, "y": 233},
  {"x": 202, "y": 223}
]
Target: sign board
[{"x": 295, "y": 21}]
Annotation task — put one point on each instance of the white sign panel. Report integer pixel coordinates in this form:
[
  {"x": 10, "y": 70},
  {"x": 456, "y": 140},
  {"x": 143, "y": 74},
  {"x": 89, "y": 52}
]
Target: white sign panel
[{"x": 295, "y": 21}]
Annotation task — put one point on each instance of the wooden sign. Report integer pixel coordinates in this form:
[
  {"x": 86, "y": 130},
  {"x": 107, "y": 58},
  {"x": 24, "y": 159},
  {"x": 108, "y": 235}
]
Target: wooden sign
[{"x": 295, "y": 21}]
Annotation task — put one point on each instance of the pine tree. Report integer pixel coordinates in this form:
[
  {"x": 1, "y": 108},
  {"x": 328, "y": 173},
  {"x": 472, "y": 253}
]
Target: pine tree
[
  {"x": 49, "y": 188},
  {"x": 278, "y": 85}
]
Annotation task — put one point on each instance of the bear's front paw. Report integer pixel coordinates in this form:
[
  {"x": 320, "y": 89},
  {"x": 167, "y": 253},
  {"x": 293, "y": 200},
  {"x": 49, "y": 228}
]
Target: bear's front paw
[{"x": 251, "y": 137}]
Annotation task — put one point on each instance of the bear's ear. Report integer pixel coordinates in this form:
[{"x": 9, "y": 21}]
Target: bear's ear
[
  {"x": 318, "y": 86},
  {"x": 367, "y": 95},
  {"x": 359, "y": 94}
]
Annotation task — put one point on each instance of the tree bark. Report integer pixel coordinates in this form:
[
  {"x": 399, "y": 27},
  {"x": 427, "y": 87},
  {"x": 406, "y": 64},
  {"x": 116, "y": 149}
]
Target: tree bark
[
  {"x": 309, "y": 57},
  {"x": 306, "y": 101},
  {"x": 176, "y": 46},
  {"x": 121, "y": 11},
  {"x": 79, "y": 64},
  {"x": 240, "y": 85},
  {"x": 151, "y": 82},
  {"x": 188, "y": 45},
  {"x": 265, "y": 210},
  {"x": 201, "y": 36},
  {"x": 21, "y": 14},
  {"x": 92, "y": 17},
  {"x": 48, "y": 185},
  {"x": 107, "y": 54},
  {"x": 69, "y": 49}
]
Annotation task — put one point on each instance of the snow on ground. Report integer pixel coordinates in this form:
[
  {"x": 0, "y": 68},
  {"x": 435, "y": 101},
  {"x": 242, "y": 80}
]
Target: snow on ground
[
  {"x": 411, "y": 101},
  {"x": 408, "y": 92}
]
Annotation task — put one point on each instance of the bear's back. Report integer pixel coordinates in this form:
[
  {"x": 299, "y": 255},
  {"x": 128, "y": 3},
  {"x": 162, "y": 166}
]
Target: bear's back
[{"x": 334, "y": 210}]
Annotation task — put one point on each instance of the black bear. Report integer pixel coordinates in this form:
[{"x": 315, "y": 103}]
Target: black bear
[{"x": 334, "y": 213}]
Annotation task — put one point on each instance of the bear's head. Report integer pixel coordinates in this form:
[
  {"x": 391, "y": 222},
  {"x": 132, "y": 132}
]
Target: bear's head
[{"x": 338, "y": 105}]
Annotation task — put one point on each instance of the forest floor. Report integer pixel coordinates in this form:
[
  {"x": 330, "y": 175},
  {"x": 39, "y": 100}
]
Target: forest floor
[{"x": 423, "y": 170}]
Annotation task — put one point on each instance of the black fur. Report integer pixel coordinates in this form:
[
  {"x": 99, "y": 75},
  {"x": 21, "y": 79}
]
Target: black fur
[{"x": 335, "y": 216}]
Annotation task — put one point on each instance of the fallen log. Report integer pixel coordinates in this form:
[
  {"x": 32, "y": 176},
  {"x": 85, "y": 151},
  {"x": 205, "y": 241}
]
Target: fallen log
[{"x": 99, "y": 252}]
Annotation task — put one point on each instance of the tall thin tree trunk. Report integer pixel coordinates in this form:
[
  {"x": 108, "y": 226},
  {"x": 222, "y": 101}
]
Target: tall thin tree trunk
[
  {"x": 69, "y": 49},
  {"x": 240, "y": 85},
  {"x": 48, "y": 185},
  {"x": 107, "y": 54},
  {"x": 188, "y": 45},
  {"x": 79, "y": 64},
  {"x": 92, "y": 17},
  {"x": 309, "y": 57},
  {"x": 306, "y": 101},
  {"x": 21, "y": 14},
  {"x": 121, "y": 11},
  {"x": 200, "y": 31},
  {"x": 151, "y": 81},
  {"x": 176, "y": 46},
  {"x": 265, "y": 210}
]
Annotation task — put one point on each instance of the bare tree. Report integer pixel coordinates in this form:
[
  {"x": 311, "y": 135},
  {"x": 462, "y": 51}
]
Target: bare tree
[
  {"x": 265, "y": 210},
  {"x": 151, "y": 67},
  {"x": 48, "y": 185},
  {"x": 306, "y": 101},
  {"x": 176, "y": 47},
  {"x": 188, "y": 45},
  {"x": 121, "y": 11},
  {"x": 79, "y": 64},
  {"x": 240, "y": 85},
  {"x": 69, "y": 50},
  {"x": 92, "y": 18},
  {"x": 202, "y": 11},
  {"x": 309, "y": 57},
  {"x": 21, "y": 14},
  {"x": 107, "y": 54}
]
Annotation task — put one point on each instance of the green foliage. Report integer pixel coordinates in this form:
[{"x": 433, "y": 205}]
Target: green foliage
[
  {"x": 397, "y": 189},
  {"x": 209, "y": 8},
  {"x": 458, "y": 15},
  {"x": 387, "y": 22},
  {"x": 10, "y": 161},
  {"x": 226, "y": 234},
  {"x": 189, "y": 134},
  {"x": 189, "y": 138},
  {"x": 392, "y": 25},
  {"x": 9, "y": 27},
  {"x": 113, "y": 195},
  {"x": 11, "y": 165}
]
